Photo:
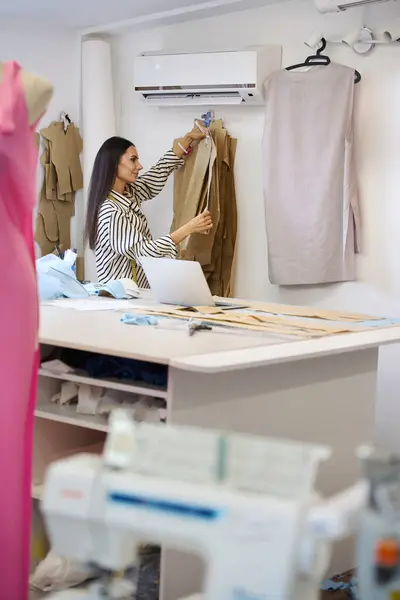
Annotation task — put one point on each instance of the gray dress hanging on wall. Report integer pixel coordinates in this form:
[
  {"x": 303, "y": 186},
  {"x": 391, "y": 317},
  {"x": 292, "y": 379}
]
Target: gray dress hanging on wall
[{"x": 310, "y": 188}]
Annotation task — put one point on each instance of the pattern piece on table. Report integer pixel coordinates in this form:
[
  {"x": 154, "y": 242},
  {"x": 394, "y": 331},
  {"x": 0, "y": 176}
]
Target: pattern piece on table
[
  {"x": 250, "y": 323},
  {"x": 308, "y": 312},
  {"x": 277, "y": 323}
]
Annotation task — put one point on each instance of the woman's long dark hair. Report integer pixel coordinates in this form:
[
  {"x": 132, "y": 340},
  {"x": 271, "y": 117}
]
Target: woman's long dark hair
[{"x": 103, "y": 176}]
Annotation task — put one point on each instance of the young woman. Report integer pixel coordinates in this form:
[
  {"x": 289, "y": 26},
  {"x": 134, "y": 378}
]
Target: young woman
[{"x": 116, "y": 228}]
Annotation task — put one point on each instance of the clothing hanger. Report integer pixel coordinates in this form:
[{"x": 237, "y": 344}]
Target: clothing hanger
[
  {"x": 320, "y": 59},
  {"x": 208, "y": 118},
  {"x": 64, "y": 118},
  {"x": 314, "y": 59}
]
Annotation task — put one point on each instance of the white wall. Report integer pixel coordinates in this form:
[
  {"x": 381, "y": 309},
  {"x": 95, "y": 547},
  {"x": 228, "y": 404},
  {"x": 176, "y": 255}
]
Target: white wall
[
  {"x": 378, "y": 156},
  {"x": 55, "y": 55}
]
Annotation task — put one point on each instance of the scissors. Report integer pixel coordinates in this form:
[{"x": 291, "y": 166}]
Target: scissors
[{"x": 197, "y": 326}]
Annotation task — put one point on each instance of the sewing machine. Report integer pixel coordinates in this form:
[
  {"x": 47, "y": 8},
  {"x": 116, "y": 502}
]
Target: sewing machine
[{"x": 246, "y": 504}]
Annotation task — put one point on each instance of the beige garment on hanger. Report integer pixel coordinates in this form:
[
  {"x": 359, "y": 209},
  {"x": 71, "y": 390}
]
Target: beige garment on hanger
[
  {"x": 53, "y": 224},
  {"x": 53, "y": 221},
  {"x": 220, "y": 278},
  {"x": 50, "y": 173},
  {"x": 192, "y": 187},
  {"x": 208, "y": 182},
  {"x": 66, "y": 147},
  {"x": 312, "y": 212}
]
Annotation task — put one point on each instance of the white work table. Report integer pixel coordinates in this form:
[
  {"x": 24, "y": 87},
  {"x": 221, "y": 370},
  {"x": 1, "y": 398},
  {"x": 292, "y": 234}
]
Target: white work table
[
  {"x": 104, "y": 333},
  {"x": 320, "y": 390}
]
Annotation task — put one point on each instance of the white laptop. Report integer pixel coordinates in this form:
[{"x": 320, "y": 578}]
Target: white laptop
[{"x": 180, "y": 282}]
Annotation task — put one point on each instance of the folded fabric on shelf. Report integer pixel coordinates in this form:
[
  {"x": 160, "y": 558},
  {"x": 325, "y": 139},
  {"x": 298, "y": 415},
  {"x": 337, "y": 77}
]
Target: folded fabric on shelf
[
  {"x": 101, "y": 366},
  {"x": 68, "y": 394}
]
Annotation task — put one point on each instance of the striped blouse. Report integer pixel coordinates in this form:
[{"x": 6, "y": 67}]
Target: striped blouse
[{"x": 123, "y": 233}]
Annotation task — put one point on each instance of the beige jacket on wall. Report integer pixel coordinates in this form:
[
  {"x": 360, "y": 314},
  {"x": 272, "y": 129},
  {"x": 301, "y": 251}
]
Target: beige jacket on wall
[
  {"x": 62, "y": 178},
  {"x": 207, "y": 182}
]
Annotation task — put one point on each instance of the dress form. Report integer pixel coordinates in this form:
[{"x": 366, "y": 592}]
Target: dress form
[
  {"x": 38, "y": 93},
  {"x": 23, "y": 100}
]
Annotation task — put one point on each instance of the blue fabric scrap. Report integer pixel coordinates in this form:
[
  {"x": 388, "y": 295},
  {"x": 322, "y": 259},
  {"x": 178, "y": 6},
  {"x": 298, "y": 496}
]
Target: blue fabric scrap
[
  {"x": 129, "y": 319},
  {"x": 113, "y": 288},
  {"x": 56, "y": 279}
]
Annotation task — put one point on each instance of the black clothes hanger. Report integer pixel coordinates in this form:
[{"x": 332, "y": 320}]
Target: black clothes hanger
[
  {"x": 314, "y": 59},
  {"x": 320, "y": 59}
]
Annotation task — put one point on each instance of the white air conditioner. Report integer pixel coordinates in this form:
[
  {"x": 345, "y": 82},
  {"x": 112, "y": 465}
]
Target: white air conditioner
[
  {"x": 207, "y": 78},
  {"x": 327, "y": 6}
]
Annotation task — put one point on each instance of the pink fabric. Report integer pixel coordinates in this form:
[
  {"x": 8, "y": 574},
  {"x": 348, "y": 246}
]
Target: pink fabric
[{"x": 18, "y": 332}]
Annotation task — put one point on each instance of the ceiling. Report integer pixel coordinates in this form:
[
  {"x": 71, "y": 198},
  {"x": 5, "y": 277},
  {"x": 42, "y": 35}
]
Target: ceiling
[{"x": 87, "y": 14}]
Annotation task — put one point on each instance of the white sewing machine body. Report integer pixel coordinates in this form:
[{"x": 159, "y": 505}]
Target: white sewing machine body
[
  {"x": 248, "y": 543},
  {"x": 240, "y": 502},
  {"x": 245, "y": 504}
]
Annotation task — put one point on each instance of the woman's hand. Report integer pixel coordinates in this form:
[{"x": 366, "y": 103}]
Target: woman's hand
[
  {"x": 196, "y": 135},
  {"x": 200, "y": 224}
]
